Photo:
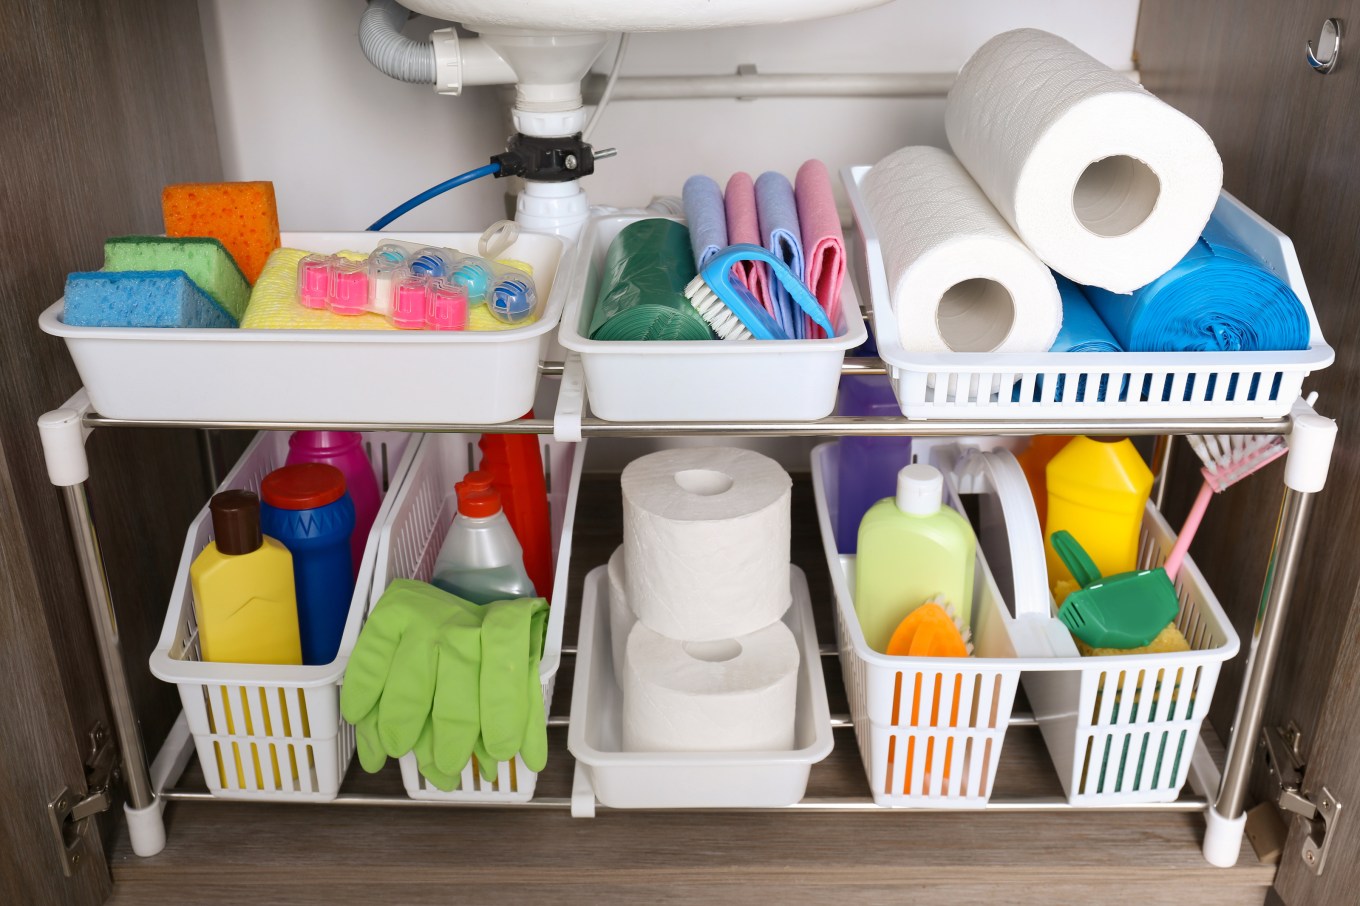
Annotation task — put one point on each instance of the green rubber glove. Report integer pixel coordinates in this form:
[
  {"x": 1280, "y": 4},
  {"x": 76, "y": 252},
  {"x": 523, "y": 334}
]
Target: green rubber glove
[
  {"x": 513, "y": 721},
  {"x": 455, "y": 715},
  {"x": 429, "y": 768},
  {"x": 391, "y": 678}
]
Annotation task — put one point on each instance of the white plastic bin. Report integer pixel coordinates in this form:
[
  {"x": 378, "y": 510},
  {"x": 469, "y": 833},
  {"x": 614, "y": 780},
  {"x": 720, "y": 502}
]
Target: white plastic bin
[
  {"x": 918, "y": 749},
  {"x": 736, "y": 380},
  {"x": 422, "y": 511},
  {"x": 1151, "y": 384},
  {"x": 392, "y": 377},
  {"x": 689, "y": 779},
  {"x": 266, "y": 731},
  {"x": 1119, "y": 729},
  {"x": 1124, "y": 729}
]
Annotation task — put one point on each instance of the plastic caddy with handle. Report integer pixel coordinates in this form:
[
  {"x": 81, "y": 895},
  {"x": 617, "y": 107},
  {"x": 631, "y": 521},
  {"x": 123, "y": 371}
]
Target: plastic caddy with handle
[
  {"x": 930, "y": 730},
  {"x": 267, "y": 731}
]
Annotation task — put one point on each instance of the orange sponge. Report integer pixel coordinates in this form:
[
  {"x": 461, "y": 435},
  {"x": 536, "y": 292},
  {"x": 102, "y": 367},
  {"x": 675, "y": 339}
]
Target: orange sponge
[{"x": 240, "y": 215}]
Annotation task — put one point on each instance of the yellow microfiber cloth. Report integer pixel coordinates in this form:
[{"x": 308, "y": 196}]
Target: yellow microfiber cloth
[
  {"x": 1168, "y": 640},
  {"x": 274, "y": 305}
]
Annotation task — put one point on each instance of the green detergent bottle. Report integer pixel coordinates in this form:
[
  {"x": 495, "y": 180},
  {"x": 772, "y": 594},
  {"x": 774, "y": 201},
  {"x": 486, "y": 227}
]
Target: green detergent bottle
[{"x": 912, "y": 548}]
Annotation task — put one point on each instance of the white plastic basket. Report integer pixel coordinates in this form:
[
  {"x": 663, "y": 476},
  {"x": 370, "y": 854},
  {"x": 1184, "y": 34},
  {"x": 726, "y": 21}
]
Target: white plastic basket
[
  {"x": 1119, "y": 729},
  {"x": 422, "y": 512},
  {"x": 266, "y": 731},
  {"x": 620, "y": 779},
  {"x": 1138, "y": 384},
  {"x": 1124, "y": 729},
  {"x": 903, "y": 708},
  {"x": 391, "y": 377},
  {"x": 737, "y": 380}
]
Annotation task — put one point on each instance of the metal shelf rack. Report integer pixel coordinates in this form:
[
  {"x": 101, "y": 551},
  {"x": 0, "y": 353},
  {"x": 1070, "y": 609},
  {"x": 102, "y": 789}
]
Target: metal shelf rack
[{"x": 1222, "y": 792}]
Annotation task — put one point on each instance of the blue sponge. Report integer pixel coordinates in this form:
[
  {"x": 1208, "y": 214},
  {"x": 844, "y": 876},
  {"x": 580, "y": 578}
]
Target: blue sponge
[{"x": 140, "y": 299}]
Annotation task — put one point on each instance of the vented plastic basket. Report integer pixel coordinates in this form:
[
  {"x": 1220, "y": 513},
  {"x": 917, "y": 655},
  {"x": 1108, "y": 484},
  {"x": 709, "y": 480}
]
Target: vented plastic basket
[
  {"x": 1067, "y": 385},
  {"x": 1124, "y": 729},
  {"x": 920, "y": 749},
  {"x": 422, "y": 511},
  {"x": 1119, "y": 729},
  {"x": 266, "y": 731}
]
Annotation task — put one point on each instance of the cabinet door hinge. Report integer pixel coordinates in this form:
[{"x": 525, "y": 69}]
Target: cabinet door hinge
[
  {"x": 69, "y": 813},
  {"x": 1319, "y": 811}
]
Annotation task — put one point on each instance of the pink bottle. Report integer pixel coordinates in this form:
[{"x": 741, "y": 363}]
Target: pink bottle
[{"x": 345, "y": 451}]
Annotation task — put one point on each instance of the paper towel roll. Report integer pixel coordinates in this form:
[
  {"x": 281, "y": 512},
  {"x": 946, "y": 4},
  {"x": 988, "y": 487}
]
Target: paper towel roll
[
  {"x": 960, "y": 279},
  {"x": 720, "y": 696},
  {"x": 706, "y": 541},
  {"x": 621, "y": 616},
  {"x": 1103, "y": 181}
]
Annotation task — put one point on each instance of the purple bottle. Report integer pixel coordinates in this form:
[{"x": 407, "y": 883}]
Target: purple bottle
[
  {"x": 868, "y": 465},
  {"x": 345, "y": 451}
]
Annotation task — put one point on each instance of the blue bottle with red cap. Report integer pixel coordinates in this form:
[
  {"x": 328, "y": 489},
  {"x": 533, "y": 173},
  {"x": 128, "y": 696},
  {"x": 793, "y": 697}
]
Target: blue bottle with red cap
[{"x": 306, "y": 507}]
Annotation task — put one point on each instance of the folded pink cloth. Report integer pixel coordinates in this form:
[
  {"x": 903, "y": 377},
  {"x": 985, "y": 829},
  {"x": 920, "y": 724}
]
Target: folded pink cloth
[
  {"x": 744, "y": 227},
  {"x": 823, "y": 241}
]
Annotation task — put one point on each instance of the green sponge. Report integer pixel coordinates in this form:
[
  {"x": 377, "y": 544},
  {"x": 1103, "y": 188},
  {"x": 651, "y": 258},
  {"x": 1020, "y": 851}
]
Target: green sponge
[{"x": 205, "y": 260}]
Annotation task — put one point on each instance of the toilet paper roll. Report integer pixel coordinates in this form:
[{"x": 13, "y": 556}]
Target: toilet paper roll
[
  {"x": 621, "y": 616},
  {"x": 720, "y": 696},
  {"x": 706, "y": 541},
  {"x": 959, "y": 278},
  {"x": 1105, "y": 183}
]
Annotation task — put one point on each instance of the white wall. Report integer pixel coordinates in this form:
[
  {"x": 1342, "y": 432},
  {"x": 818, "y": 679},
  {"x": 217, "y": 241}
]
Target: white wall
[{"x": 297, "y": 103}]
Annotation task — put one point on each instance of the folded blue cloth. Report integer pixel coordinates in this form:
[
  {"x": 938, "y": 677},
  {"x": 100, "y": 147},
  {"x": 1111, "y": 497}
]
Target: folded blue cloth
[
  {"x": 1218, "y": 298},
  {"x": 706, "y": 217},
  {"x": 777, "y": 212}
]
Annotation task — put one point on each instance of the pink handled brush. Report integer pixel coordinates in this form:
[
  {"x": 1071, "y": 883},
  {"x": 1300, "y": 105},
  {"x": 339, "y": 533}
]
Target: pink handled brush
[{"x": 1227, "y": 458}]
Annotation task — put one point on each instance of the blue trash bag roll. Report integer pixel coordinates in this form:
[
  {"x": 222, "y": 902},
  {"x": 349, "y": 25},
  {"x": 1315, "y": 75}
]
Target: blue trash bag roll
[
  {"x": 1082, "y": 331},
  {"x": 1218, "y": 298}
]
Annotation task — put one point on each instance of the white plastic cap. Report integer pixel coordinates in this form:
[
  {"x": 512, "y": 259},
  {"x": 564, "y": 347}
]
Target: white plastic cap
[{"x": 920, "y": 490}]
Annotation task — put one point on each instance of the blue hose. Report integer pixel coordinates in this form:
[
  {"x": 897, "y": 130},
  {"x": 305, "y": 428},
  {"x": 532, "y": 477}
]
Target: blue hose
[{"x": 489, "y": 170}]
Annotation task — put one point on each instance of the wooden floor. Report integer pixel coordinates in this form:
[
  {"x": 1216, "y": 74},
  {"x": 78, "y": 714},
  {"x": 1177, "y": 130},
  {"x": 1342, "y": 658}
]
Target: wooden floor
[{"x": 234, "y": 853}]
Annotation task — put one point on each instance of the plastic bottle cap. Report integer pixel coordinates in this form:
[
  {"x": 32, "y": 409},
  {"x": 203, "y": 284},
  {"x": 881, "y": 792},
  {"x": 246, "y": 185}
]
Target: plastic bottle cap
[
  {"x": 920, "y": 489},
  {"x": 324, "y": 440},
  {"x": 236, "y": 522},
  {"x": 477, "y": 496},
  {"x": 303, "y": 486}
]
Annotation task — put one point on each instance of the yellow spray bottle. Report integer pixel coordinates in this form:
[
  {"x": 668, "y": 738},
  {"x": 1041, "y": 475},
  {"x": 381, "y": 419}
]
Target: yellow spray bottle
[{"x": 1097, "y": 490}]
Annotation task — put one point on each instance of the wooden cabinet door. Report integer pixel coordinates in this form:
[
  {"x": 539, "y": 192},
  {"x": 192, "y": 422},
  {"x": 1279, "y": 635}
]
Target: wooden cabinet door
[
  {"x": 105, "y": 102},
  {"x": 1290, "y": 142}
]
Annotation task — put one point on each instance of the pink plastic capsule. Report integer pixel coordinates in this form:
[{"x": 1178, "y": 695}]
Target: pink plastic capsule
[
  {"x": 448, "y": 307},
  {"x": 349, "y": 294},
  {"x": 409, "y": 301},
  {"x": 314, "y": 280}
]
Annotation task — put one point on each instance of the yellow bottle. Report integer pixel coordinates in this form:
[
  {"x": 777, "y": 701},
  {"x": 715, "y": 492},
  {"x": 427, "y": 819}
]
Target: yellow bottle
[
  {"x": 1097, "y": 490},
  {"x": 244, "y": 599}
]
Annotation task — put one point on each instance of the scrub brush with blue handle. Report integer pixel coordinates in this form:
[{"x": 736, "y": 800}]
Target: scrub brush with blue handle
[{"x": 732, "y": 311}]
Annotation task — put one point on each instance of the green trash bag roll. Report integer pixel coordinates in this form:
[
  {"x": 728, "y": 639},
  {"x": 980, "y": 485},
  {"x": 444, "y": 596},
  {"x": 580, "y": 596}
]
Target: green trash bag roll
[{"x": 642, "y": 288}]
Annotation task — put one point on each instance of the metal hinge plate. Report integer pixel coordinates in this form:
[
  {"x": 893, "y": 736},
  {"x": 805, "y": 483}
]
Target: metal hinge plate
[
  {"x": 68, "y": 812},
  {"x": 1284, "y": 760}
]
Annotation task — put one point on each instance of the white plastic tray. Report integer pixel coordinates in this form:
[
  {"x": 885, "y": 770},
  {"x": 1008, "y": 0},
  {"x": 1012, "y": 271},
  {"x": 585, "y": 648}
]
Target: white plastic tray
[
  {"x": 474, "y": 377},
  {"x": 409, "y": 543},
  {"x": 621, "y": 779},
  {"x": 266, "y": 731},
  {"x": 736, "y": 380},
  {"x": 1179, "y": 384}
]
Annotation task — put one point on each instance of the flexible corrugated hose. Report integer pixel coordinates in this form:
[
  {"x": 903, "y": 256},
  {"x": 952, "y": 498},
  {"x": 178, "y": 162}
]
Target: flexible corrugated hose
[{"x": 391, "y": 52}]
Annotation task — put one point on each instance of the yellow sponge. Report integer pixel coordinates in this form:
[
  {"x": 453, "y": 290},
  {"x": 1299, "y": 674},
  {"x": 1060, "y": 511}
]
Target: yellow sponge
[
  {"x": 1167, "y": 641},
  {"x": 274, "y": 305}
]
